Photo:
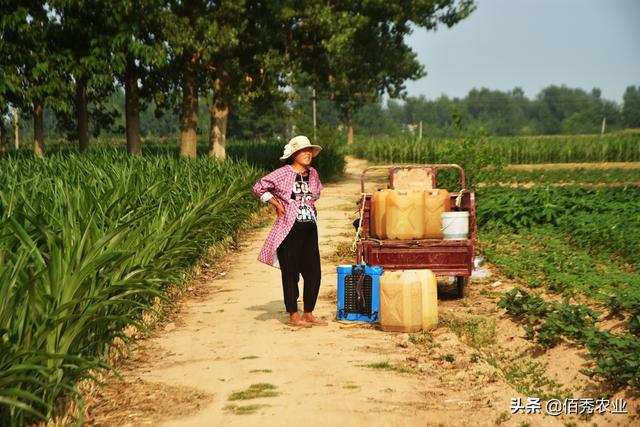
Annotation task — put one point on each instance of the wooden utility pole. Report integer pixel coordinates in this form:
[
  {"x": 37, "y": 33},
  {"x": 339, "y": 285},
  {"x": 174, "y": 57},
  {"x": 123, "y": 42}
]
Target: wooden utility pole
[
  {"x": 82, "y": 115},
  {"x": 16, "y": 127},
  {"x": 315, "y": 123}
]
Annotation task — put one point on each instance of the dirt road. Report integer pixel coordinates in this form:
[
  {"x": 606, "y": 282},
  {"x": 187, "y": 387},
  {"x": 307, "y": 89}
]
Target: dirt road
[{"x": 231, "y": 343}]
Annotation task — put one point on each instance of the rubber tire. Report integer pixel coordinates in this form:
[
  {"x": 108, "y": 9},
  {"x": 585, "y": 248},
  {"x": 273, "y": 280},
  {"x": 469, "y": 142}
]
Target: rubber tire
[{"x": 461, "y": 286}]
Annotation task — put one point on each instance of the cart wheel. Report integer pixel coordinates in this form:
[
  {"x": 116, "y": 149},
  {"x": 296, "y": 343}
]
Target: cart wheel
[{"x": 461, "y": 286}]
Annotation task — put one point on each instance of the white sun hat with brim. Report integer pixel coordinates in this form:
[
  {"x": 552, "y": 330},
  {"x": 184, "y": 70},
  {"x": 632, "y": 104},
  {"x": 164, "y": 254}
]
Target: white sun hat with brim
[{"x": 298, "y": 143}]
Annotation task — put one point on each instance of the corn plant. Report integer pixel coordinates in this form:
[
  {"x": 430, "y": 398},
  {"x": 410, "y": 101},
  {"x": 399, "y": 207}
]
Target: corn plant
[
  {"x": 617, "y": 147},
  {"x": 623, "y": 147},
  {"x": 86, "y": 244},
  {"x": 574, "y": 177}
]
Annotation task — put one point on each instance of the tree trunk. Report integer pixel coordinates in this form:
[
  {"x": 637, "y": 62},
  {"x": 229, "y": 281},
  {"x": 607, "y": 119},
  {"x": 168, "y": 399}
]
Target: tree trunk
[
  {"x": 16, "y": 127},
  {"x": 132, "y": 109},
  {"x": 349, "y": 120},
  {"x": 38, "y": 128},
  {"x": 218, "y": 133},
  {"x": 189, "y": 115},
  {"x": 3, "y": 138},
  {"x": 82, "y": 115}
]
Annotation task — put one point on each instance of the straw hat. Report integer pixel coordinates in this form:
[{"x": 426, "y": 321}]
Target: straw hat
[{"x": 298, "y": 143}]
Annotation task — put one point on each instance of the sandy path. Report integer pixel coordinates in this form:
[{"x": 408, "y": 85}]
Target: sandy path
[{"x": 236, "y": 336}]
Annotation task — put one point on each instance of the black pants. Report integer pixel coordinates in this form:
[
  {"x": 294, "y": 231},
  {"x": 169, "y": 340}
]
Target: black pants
[{"x": 299, "y": 254}]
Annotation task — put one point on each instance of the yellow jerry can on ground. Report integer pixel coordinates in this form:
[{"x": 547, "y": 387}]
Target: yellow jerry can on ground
[{"x": 408, "y": 300}]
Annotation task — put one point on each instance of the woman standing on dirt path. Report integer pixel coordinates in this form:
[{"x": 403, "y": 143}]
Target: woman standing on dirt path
[{"x": 292, "y": 243}]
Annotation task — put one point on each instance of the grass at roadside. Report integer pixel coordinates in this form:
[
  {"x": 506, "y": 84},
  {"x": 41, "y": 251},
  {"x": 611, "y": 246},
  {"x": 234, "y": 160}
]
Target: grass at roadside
[{"x": 528, "y": 377}]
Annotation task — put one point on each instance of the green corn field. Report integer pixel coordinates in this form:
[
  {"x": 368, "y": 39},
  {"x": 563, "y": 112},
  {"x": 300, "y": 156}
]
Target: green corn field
[
  {"x": 86, "y": 244},
  {"x": 620, "y": 147}
]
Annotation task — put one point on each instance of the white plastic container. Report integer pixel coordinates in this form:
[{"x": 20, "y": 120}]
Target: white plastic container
[{"x": 455, "y": 225}]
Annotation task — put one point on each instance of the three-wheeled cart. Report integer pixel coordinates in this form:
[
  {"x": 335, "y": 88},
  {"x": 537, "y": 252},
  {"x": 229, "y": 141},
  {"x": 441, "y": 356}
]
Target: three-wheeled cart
[{"x": 452, "y": 258}]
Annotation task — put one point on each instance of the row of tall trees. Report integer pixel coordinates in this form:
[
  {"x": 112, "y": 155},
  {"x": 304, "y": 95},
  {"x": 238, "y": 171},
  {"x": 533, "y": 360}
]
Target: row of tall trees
[
  {"x": 71, "y": 55},
  {"x": 280, "y": 118}
]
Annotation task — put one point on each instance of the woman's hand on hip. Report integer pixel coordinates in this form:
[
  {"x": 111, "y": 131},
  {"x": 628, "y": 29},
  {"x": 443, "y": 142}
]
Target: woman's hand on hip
[{"x": 279, "y": 208}]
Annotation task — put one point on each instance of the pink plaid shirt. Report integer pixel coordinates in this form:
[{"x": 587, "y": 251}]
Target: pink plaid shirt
[{"x": 279, "y": 184}]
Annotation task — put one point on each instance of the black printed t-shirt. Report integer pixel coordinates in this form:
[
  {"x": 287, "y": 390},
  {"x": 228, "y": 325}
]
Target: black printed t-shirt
[{"x": 301, "y": 193}]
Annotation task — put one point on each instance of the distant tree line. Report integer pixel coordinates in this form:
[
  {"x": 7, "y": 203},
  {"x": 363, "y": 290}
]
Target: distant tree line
[{"x": 555, "y": 110}]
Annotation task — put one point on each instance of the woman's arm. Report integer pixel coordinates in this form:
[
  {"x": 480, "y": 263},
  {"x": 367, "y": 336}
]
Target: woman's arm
[
  {"x": 276, "y": 203},
  {"x": 319, "y": 185},
  {"x": 263, "y": 189}
]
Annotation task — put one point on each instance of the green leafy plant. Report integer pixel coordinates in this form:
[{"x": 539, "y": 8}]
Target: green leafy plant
[
  {"x": 616, "y": 356},
  {"x": 87, "y": 245}
]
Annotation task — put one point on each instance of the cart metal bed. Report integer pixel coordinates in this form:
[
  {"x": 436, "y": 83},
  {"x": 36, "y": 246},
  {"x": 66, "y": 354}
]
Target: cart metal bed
[{"x": 444, "y": 257}]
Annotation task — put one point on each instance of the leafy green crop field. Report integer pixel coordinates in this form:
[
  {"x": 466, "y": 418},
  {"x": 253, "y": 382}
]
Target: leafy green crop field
[
  {"x": 86, "y": 245},
  {"x": 579, "y": 176},
  {"x": 616, "y": 354},
  {"x": 582, "y": 244},
  {"x": 602, "y": 219}
]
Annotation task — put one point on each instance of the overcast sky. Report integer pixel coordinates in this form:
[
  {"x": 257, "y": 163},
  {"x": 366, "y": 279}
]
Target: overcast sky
[{"x": 532, "y": 44}]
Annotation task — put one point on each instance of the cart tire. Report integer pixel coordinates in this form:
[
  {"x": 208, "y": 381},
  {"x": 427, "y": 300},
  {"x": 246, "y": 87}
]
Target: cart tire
[{"x": 461, "y": 286}]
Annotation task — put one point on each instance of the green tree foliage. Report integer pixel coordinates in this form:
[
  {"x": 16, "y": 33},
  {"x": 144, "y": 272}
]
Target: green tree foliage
[
  {"x": 563, "y": 110},
  {"x": 631, "y": 108},
  {"x": 556, "y": 109},
  {"x": 131, "y": 38},
  {"x": 361, "y": 53},
  {"x": 86, "y": 67},
  {"x": 67, "y": 63},
  {"x": 247, "y": 71},
  {"x": 31, "y": 65}
]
